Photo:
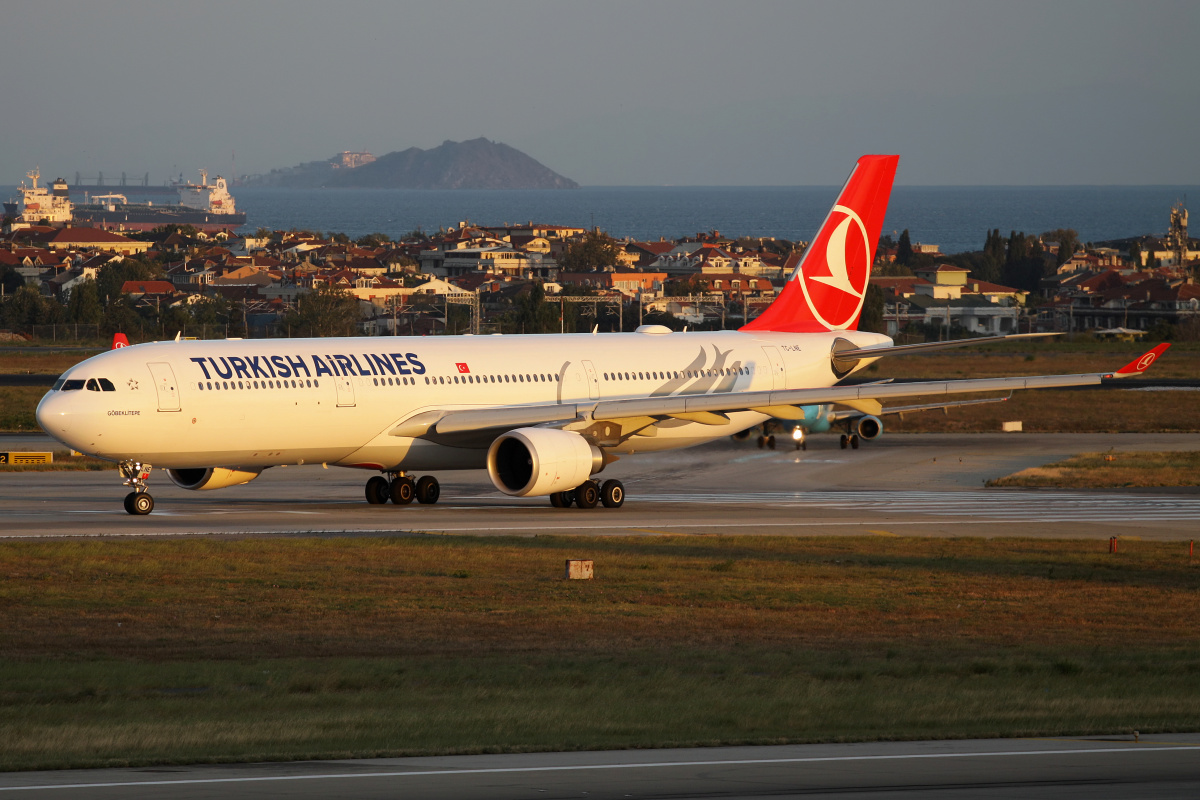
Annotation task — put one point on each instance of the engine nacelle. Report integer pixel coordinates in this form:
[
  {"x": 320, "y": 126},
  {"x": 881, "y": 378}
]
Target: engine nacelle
[
  {"x": 869, "y": 427},
  {"x": 531, "y": 462},
  {"x": 211, "y": 478}
]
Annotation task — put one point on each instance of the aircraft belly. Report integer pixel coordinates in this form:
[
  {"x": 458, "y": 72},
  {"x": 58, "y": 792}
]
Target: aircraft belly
[{"x": 402, "y": 453}]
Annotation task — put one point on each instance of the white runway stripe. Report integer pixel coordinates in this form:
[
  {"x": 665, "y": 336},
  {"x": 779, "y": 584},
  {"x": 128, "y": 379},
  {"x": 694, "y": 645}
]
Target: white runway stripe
[{"x": 1033, "y": 506}]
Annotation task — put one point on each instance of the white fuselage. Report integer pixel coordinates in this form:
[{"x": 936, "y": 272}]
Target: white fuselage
[{"x": 263, "y": 402}]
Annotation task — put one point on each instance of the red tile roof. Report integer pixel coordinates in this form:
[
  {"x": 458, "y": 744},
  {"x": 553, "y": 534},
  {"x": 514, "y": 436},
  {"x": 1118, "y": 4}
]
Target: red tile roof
[{"x": 147, "y": 287}]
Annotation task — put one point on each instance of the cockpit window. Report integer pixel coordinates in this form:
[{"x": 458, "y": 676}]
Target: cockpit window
[
  {"x": 107, "y": 385},
  {"x": 72, "y": 385},
  {"x": 58, "y": 384},
  {"x": 93, "y": 385}
]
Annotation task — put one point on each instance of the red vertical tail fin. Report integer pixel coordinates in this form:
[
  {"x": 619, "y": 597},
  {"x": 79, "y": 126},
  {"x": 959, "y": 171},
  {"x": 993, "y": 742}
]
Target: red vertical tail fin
[
  {"x": 826, "y": 291},
  {"x": 119, "y": 340}
]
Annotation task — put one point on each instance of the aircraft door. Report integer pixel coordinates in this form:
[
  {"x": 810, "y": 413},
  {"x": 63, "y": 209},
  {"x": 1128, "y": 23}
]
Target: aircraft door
[
  {"x": 164, "y": 384},
  {"x": 345, "y": 390},
  {"x": 593, "y": 381},
  {"x": 571, "y": 388},
  {"x": 778, "y": 369}
]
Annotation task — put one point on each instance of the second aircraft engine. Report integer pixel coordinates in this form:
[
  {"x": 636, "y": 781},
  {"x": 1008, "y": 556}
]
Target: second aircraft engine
[
  {"x": 869, "y": 427},
  {"x": 212, "y": 477},
  {"x": 531, "y": 462}
]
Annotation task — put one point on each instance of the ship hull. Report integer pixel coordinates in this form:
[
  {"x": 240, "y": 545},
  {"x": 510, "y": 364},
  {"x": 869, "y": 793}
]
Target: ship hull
[{"x": 145, "y": 219}]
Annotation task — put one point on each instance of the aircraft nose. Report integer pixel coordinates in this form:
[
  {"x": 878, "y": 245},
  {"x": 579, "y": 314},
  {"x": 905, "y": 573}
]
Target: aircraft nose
[{"x": 54, "y": 415}]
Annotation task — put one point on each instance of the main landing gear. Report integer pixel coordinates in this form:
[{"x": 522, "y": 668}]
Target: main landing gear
[
  {"x": 589, "y": 494},
  {"x": 850, "y": 440},
  {"x": 402, "y": 490},
  {"x": 139, "y": 503}
]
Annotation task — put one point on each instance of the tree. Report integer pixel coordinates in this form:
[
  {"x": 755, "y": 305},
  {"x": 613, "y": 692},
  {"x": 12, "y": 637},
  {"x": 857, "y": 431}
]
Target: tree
[
  {"x": 120, "y": 317},
  {"x": 26, "y": 307},
  {"x": 83, "y": 304},
  {"x": 1068, "y": 243},
  {"x": 683, "y": 287},
  {"x": 1024, "y": 262},
  {"x": 113, "y": 275},
  {"x": 532, "y": 314},
  {"x": 594, "y": 251},
  {"x": 328, "y": 311},
  {"x": 10, "y": 279},
  {"x": 904, "y": 251},
  {"x": 1135, "y": 254},
  {"x": 871, "y": 318},
  {"x": 373, "y": 240}
]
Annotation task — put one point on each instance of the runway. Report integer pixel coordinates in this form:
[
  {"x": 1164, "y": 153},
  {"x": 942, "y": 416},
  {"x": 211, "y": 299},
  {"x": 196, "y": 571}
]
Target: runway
[
  {"x": 914, "y": 484},
  {"x": 1164, "y": 767}
]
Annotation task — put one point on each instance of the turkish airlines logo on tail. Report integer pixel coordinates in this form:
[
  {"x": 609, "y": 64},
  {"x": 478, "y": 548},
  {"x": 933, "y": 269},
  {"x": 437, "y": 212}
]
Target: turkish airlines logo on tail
[{"x": 835, "y": 272}]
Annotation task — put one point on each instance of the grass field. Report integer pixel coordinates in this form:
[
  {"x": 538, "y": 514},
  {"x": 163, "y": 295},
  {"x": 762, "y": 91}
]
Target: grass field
[
  {"x": 1111, "y": 471},
  {"x": 121, "y": 652}
]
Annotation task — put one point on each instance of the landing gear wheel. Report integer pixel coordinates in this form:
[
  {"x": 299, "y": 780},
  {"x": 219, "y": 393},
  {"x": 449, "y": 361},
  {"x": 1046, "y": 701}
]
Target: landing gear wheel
[
  {"x": 428, "y": 490},
  {"x": 139, "y": 504},
  {"x": 612, "y": 494},
  {"x": 587, "y": 494},
  {"x": 377, "y": 490},
  {"x": 762, "y": 440},
  {"x": 561, "y": 499},
  {"x": 845, "y": 441},
  {"x": 854, "y": 441},
  {"x": 403, "y": 491},
  {"x": 801, "y": 445},
  {"x": 771, "y": 442}
]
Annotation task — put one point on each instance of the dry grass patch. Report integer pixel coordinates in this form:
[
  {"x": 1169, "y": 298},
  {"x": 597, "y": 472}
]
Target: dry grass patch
[
  {"x": 192, "y": 650},
  {"x": 277, "y": 598},
  {"x": 39, "y": 361},
  {"x": 1111, "y": 470},
  {"x": 1061, "y": 411},
  {"x": 1182, "y": 361}
]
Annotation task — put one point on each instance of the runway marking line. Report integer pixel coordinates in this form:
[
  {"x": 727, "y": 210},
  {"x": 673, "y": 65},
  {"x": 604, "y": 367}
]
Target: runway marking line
[
  {"x": 590, "y": 767},
  {"x": 941, "y": 521}
]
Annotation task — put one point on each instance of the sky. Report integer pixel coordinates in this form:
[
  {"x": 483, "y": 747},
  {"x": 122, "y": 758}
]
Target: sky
[{"x": 653, "y": 92}]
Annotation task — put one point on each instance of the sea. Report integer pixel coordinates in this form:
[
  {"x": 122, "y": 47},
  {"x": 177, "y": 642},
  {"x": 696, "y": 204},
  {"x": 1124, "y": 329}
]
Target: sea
[{"x": 955, "y": 218}]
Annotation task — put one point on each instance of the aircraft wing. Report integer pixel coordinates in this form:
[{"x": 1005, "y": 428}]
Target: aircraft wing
[
  {"x": 472, "y": 425},
  {"x": 855, "y": 414},
  {"x": 924, "y": 347}
]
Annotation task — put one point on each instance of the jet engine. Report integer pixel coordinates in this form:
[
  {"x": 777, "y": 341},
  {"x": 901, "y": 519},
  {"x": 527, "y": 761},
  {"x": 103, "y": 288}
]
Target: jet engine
[
  {"x": 869, "y": 427},
  {"x": 532, "y": 462},
  {"x": 212, "y": 477}
]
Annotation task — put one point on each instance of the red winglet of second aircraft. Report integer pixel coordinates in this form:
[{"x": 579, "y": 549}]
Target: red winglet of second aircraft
[{"x": 1141, "y": 364}]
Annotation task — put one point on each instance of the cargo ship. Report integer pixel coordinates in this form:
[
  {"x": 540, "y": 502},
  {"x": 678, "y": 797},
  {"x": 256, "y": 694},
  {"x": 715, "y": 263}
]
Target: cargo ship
[{"x": 206, "y": 206}]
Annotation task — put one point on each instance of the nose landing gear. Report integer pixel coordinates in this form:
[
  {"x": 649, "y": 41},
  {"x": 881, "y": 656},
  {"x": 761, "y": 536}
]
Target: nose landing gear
[{"x": 139, "y": 503}]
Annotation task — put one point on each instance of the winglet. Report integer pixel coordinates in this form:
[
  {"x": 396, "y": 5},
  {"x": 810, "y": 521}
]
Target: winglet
[
  {"x": 1140, "y": 365},
  {"x": 119, "y": 341}
]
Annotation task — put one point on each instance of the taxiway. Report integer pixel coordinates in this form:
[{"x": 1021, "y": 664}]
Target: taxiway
[{"x": 912, "y": 484}]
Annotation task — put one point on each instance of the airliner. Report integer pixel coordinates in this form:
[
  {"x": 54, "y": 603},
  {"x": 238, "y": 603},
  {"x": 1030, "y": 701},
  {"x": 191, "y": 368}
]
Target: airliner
[
  {"x": 860, "y": 423},
  {"x": 543, "y": 414}
]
